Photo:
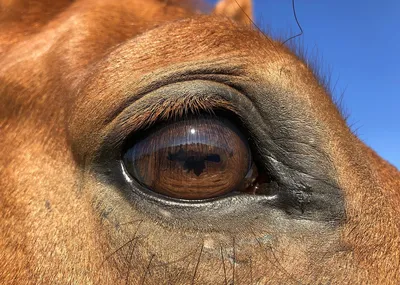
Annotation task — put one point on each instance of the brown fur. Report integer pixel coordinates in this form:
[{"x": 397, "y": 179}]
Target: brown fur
[{"x": 66, "y": 69}]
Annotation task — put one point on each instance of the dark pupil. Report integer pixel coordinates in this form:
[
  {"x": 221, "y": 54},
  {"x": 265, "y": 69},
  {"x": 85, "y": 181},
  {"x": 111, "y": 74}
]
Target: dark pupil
[
  {"x": 190, "y": 159},
  {"x": 195, "y": 163}
]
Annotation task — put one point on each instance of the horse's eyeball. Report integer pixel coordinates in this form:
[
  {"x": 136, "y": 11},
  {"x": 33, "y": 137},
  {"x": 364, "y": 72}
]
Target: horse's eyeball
[{"x": 195, "y": 158}]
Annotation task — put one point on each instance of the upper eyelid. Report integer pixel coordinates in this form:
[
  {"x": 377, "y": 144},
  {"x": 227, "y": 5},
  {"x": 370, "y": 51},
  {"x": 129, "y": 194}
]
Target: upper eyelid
[
  {"x": 150, "y": 109},
  {"x": 128, "y": 108},
  {"x": 164, "y": 109}
]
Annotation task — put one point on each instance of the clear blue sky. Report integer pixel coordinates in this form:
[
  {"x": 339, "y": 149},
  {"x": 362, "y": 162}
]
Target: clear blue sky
[{"x": 360, "y": 44}]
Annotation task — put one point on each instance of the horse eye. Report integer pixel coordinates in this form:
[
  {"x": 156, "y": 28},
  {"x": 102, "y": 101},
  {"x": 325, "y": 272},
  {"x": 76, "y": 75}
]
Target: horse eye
[{"x": 197, "y": 158}]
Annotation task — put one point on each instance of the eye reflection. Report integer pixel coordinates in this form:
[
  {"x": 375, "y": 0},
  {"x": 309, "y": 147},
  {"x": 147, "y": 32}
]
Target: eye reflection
[
  {"x": 195, "y": 158},
  {"x": 197, "y": 162}
]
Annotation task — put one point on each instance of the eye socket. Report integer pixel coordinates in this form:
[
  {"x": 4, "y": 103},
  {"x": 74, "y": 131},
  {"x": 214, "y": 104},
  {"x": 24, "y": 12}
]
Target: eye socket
[{"x": 197, "y": 158}]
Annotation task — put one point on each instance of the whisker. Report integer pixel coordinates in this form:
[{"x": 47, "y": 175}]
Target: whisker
[
  {"x": 223, "y": 265},
  {"x": 147, "y": 269},
  {"x": 234, "y": 261},
  {"x": 251, "y": 270},
  {"x": 298, "y": 25},
  {"x": 122, "y": 246},
  {"x": 197, "y": 264},
  {"x": 130, "y": 262},
  {"x": 275, "y": 264},
  {"x": 118, "y": 249},
  {"x": 258, "y": 28}
]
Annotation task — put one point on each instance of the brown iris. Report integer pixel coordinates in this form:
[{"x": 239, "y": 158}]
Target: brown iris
[{"x": 191, "y": 159}]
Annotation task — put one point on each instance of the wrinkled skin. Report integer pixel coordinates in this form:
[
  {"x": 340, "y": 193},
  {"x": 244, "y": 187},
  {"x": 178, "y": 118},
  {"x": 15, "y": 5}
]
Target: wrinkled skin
[{"x": 77, "y": 78}]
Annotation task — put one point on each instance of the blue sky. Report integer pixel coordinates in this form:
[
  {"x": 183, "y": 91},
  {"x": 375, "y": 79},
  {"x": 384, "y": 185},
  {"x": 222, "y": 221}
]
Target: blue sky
[{"x": 359, "y": 42}]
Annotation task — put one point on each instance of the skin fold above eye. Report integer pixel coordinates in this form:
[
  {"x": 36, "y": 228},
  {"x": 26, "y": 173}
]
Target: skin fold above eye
[{"x": 195, "y": 158}]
